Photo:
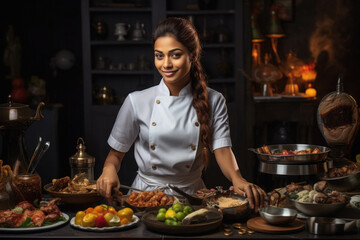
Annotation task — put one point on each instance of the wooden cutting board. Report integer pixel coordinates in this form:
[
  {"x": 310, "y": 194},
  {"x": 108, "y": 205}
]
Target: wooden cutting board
[{"x": 258, "y": 224}]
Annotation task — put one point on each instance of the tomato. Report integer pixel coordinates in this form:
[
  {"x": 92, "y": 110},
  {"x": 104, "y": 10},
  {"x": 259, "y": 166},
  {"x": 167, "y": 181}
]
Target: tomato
[
  {"x": 89, "y": 220},
  {"x": 99, "y": 209},
  {"x": 126, "y": 213},
  {"x": 79, "y": 217},
  {"x": 112, "y": 210},
  {"x": 101, "y": 221}
]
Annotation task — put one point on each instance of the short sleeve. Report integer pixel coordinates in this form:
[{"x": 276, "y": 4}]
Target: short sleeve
[
  {"x": 220, "y": 122},
  {"x": 126, "y": 127}
]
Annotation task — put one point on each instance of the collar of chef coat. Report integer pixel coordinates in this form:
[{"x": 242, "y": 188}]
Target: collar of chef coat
[{"x": 164, "y": 90}]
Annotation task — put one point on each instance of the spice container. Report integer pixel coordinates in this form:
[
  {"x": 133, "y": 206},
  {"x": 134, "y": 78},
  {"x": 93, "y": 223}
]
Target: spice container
[
  {"x": 81, "y": 162},
  {"x": 27, "y": 188}
]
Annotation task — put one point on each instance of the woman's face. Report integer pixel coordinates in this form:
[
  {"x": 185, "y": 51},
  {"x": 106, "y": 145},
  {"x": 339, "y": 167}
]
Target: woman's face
[{"x": 172, "y": 60}]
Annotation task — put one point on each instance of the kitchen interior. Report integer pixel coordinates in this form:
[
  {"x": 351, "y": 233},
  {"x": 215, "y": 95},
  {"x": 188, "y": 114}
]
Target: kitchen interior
[{"x": 280, "y": 64}]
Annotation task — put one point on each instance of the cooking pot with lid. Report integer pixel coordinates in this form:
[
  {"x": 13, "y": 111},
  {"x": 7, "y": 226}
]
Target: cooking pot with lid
[{"x": 18, "y": 116}]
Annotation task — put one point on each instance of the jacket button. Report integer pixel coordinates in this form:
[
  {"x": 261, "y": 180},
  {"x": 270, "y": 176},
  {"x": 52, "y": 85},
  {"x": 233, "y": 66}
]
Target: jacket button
[
  {"x": 154, "y": 123},
  {"x": 197, "y": 124},
  {"x": 193, "y": 147},
  {"x": 153, "y": 167},
  {"x": 152, "y": 147},
  {"x": 158, "y": 101}
]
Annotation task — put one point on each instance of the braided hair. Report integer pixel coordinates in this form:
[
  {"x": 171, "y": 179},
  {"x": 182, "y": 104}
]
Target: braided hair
[{"x": 184, "y": 32}]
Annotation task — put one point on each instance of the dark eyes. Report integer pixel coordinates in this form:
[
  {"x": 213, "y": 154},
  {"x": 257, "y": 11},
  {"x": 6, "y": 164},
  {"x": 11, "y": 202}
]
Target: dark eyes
[{"x": 161, "y": 56}]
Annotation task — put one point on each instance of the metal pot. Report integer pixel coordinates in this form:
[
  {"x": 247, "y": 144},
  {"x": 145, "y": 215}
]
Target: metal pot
[
  {"x": 344, "y": 184},
  {"x": 17, "y": 115},
  {"x": 327, "y": 226}
]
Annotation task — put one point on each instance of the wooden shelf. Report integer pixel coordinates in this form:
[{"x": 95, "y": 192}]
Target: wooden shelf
[
  {"x": 115, "y": 9},
  {"x": 201, "y": 12}
]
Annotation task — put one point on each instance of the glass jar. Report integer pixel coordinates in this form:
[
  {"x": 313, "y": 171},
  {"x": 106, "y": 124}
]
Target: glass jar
[{"x": 27, "y": 188}]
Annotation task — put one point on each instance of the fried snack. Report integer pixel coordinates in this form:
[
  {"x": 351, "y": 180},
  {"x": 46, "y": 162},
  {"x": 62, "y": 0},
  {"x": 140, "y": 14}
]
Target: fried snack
[
  {"x": 79, "y": 184},
  {"x": 5, "y": 172},
  {"x": 149, "y": 198}
]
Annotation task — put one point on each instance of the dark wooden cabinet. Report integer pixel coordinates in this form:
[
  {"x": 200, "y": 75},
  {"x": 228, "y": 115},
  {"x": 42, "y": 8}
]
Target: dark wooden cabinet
[{"x": 107, "y": 61}]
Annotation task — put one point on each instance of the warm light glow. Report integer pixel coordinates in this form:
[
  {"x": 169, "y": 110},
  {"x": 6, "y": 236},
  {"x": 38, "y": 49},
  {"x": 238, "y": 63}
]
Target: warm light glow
[
  {"x": 309, "y": 73},
  {"x": 310, "y": 92}
]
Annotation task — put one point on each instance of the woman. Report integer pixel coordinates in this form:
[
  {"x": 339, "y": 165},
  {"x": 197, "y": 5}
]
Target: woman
[{"x": 175, "y": 124}]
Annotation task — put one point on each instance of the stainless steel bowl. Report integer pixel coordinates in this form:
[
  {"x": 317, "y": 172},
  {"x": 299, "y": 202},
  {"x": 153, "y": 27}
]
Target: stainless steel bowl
[
  {"x": 234, "y": 213},
  {"x": 319, "y": 209},
  {"x": 292, "y": 159},
  {"x": 345, "y": 183},
  {"x": 324, "y": 225},
  {"x": 278, "y": 216}
]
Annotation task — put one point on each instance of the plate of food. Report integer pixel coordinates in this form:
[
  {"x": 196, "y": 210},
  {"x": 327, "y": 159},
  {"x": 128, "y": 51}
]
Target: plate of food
[
  {"x": 134, "y": 221},
  {"x": 78, "y": 190},
  {"x": 199, "y": 220},
  {"x": 26, "y": 218},
  {"x": 148, "y": 200},
  {"x": 291, "y": 153}
]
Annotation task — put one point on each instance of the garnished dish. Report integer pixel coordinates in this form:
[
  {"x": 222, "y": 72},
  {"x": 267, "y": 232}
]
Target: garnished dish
[
  {"x": 291, "y": 153},
  {"x": 144, "y": 199},
  {"x": 317, "y": 200},
  {"x": 104, "y": 218},
  {"x": 78, "y": 190},
  {"x": 25, "y": 217}
]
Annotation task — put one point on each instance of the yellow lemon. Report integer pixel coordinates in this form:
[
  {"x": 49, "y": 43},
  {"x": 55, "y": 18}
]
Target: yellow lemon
[{"x": 170, "y": 213}]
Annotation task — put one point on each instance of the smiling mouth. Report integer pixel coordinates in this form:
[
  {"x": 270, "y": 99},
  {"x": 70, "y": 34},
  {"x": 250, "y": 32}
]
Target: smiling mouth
[{"x": 169, "y": 73}]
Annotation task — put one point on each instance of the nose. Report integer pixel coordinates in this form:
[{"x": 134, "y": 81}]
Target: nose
[{"x": 167, "y": 63}]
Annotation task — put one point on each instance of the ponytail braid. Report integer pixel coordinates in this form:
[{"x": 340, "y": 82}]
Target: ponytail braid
[{"x": 202, "y": 107}]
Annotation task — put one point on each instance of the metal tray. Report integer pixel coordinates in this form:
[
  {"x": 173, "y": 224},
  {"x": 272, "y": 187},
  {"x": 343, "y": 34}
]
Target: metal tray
[{"x": 292, "y": 159}]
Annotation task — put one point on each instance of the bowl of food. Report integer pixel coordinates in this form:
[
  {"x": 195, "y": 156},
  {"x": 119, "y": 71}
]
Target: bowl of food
[
  {"x": 148, "y": 200},
  {"x": 232, "y": 205},
  {"x": 278, "y": 216},
  {"x": 291, "y": 153},
  {"x": 345, "y": 178},
  {"x": 78, "y": 190}
]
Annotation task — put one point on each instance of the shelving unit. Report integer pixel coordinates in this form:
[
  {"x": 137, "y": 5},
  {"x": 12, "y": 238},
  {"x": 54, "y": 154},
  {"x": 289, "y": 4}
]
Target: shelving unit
[{"x": 99, "y": 119}]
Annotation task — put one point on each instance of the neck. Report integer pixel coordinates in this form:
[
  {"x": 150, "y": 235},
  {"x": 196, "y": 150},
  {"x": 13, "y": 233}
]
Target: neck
[{"x": 175, "y": 88}]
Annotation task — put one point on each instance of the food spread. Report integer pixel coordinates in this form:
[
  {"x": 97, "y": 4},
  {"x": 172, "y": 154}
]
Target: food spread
[{"x": 79, "y": 184}]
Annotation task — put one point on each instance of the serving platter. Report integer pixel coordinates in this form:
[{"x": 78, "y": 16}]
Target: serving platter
[
  {"x": 34, "y": 229},
  {"x": 150, "y": 221},
  {"x": 134, "y": 221},
  {"x": 73, "y": 198},
  {"x": 292, "y": 159}
]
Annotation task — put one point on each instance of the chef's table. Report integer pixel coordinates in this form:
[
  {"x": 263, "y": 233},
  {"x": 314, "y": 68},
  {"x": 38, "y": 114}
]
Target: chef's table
[{"x": 141, "y": 232}]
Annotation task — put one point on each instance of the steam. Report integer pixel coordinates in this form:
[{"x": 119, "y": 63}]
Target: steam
[{"x": 333, "y": 31}]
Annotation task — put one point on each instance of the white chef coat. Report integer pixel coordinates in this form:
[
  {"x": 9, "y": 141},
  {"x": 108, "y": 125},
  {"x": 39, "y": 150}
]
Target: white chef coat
[{"x": 165, "y": 131}]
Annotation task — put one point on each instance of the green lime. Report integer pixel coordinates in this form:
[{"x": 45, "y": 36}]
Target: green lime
[
  {"x": 180, "y": 216},
  {"x": 160, "y": 216},
  {"x": 170, "y": 208},
  {"x": 177, "y": 207},
  {"x": 187, "y": 210},
  {"x": 162, "y": 210},
  {"x": 169, "y": 221}
]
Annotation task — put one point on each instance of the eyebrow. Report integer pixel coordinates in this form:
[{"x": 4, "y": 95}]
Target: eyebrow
[{"x": 172, "y": 50}]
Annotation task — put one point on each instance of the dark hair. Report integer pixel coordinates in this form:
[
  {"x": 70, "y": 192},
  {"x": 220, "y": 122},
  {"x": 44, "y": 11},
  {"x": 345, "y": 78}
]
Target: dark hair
[{"x": 184, "y": 32}]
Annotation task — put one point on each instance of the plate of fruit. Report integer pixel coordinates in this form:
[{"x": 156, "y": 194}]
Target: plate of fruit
[
  {"x": 104, "y": 218},
  {"x": 182, "y": 219}
]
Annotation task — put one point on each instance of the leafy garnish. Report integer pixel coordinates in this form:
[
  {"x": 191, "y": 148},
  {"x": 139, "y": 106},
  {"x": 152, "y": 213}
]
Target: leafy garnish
[
  {"x": 47, "y": 223},
  {"x": 27, "y": 223}
]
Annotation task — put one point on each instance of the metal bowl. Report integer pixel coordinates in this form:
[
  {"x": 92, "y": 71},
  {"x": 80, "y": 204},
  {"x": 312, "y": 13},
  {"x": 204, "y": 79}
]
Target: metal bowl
[
  {"x": 319, "y": 209},
  {"x": 278, "y": 216},
  {"x": 235, "y": 213},
  {"x": 345, "y": 183},
  {"x": 325, "y": 225},
  {"x": 292, "y": 159}
]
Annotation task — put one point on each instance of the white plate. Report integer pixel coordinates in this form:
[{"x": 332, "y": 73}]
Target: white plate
[
  {"x": 134, "y": 221},
  {"x": 353, "y": 200},
  {"x": 42, "y": 228}
]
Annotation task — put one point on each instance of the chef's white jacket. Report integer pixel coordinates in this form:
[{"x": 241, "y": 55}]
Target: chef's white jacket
[{"x": 165, "y": 130}]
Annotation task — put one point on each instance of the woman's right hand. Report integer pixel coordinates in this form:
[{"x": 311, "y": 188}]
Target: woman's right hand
[{"x": 108, "y": 182}]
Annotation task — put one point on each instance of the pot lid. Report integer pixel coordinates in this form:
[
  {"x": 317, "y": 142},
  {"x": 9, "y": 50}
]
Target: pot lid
[
  {"x": 11, "y": 104},
  {"x": 81, "y": 157}
]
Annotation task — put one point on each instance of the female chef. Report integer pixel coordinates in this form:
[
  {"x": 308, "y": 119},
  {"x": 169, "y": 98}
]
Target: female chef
[{"x": 175, "y": 124}]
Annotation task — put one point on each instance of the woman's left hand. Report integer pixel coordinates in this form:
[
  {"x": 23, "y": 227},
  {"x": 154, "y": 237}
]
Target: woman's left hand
[{"x": 254, "y": 193}]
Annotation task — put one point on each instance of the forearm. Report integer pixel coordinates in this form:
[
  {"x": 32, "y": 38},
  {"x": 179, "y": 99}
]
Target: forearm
[
  {"x": 227, "y": 163},
  {"x": 113, "y": 160}
]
